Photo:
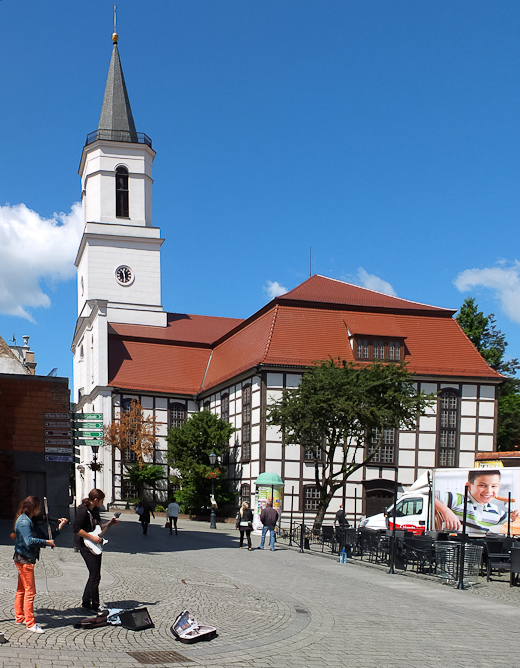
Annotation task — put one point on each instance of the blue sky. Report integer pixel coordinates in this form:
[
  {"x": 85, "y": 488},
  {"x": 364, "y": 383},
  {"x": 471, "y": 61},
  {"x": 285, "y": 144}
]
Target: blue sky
[{"x": 383, "y": 133}]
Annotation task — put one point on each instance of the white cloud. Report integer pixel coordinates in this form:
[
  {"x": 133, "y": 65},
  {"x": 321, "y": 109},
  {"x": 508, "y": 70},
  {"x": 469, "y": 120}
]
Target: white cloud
[
  {"x": 274, "y": 289},
  {"x": 503, "y": 280},
  {"x": 375, "y": 283},
  {"x": 35, "y": 249}
]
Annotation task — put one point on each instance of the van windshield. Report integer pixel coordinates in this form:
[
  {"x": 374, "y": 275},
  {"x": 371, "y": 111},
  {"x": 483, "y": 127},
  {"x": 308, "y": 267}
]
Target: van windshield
[{"x": 407, "y": 507}]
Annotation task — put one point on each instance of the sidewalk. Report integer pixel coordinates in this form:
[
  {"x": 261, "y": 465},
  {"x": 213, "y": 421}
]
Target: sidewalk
[{"x": 270, "y": 609}]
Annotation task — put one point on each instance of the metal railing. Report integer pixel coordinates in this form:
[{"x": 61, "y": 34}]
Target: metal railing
[{"x": 119, "y": 135}]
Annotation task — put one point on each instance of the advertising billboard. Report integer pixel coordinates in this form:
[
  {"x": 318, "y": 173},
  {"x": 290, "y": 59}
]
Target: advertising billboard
[{"x": 488, "y": 509}]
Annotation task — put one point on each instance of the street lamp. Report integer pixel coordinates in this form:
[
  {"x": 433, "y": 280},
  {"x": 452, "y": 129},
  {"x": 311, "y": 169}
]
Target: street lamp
[
  {"x": 212, "y": 516},
  {"x": 95, "y": 466}
]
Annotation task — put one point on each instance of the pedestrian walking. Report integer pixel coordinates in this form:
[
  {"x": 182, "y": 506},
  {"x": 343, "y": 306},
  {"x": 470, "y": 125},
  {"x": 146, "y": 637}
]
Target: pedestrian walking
[
  {"x": 172, "y": 514},
  {"x": 268, "y": 517},
  {"x": 244, "y": 524},
  {"x": 85, "y": 522},
  {"x": 144, "y": 510},
  {"x": 29, "y": 539}
]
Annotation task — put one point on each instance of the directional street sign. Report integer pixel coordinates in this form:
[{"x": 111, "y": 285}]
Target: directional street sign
[
  {"x": 89, "y": 434},
  {"x": 57, "y": 416},
  {"x": 88, "y": 416},
  {"x": 58, "y": 441},
  {"x": 89, "y": 425},
  {"x": 57, "y": 425},
  {"x": 58, "y": 432},
  {"x": 58, "y": 458},
  {"x": 82, "y": 441},
  {"x": 59, "y": 451}
]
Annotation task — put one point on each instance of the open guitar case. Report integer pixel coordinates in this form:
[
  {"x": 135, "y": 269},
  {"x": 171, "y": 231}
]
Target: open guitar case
[{"x": 187, "y": 630}]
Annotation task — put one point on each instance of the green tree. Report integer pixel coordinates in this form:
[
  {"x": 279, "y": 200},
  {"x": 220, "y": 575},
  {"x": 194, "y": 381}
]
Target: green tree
[
  {"x": 492, "y": 345},
  {"x": 336, "y": 406},
  {"x": 141, "y": 474},
  {"x": 189, "y": 447},
  {"x": 484, "y": 335}
]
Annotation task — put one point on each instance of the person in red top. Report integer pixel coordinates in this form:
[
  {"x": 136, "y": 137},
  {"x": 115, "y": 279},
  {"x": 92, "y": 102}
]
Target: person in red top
[{"x": 268, "y": 517}]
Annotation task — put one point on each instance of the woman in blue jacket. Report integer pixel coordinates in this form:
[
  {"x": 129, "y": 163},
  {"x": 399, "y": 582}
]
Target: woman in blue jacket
[{"x": 28, "y": 541}]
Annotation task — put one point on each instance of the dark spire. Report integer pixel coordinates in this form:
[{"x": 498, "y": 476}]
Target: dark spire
[{"x": 116, "y": 121}]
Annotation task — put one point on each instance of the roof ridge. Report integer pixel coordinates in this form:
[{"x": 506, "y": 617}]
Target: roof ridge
[{"x": 271, "y": 330}]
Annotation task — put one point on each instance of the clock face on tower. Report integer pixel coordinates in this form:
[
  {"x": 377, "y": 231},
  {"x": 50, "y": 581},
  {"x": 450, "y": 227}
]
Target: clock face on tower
[{"x": 124, "y": 275}]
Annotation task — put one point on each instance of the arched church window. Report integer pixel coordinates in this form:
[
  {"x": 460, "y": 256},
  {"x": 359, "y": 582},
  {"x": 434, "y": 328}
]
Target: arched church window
[{"x": 122, "y": 192}]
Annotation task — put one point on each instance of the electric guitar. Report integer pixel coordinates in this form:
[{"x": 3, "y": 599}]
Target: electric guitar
[{"x": 97, "y": 548}]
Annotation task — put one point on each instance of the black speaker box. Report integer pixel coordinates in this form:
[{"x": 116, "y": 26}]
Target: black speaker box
[{"x": 136, "y": 620}]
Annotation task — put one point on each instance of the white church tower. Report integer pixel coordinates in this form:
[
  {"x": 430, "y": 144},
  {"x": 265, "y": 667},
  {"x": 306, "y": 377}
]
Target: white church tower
[{"x": 118, "y": 261}]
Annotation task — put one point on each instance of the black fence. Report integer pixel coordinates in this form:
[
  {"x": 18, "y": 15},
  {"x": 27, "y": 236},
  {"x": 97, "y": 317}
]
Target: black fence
[{"x": 453, "y": 559}]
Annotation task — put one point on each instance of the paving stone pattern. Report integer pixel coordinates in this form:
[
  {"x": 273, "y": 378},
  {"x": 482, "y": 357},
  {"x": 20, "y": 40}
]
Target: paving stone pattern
[{"x": 270, "y": 609}]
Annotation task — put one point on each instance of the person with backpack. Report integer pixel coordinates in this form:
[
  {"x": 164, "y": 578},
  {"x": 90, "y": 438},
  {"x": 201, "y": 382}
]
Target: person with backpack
[{"x": 244, "y": 524}]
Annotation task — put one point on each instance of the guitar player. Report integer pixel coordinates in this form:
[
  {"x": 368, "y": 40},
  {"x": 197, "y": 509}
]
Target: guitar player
[{"x": 87, "y": 517}]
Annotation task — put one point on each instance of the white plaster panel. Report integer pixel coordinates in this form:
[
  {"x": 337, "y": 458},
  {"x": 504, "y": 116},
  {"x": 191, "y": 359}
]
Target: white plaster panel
[
  {"x": 308, "y": 471},
  {"x": 161, "y": 427},
  {"x": 486, "y": 408},
  {"x": 429, "y": 387},
  {"x": 255, "y": 383},
  {"x": 238, "y": 391},
  {"x": 389, "y": 474},
  {"x": 407, "y": 440},
  {"x": 292, "y": 453},
  {"x": 468, "y": 407},
  {"x": 273, "y": 396},
  {"x": 293, "y": 379},
  {"x": 255, "y": 400},
  {"x": 485, "y": 443},
  {"x": 255, "y": 470},
  {"x": 147, "y": 413},
  {"x": 273, "y": 433},
  {"x": 274, "y": 380},
  {"x": 246, "y": 471},
  {"x": 273, "y": 467},
  {"x": 255, "y": 416},
  {"x": 467, "y": 442},
  {"x": 426, "y": 458},
  {"x": 406, "y": 458},
  {"x": 292, "y": 470},
  {"x": 468, "y": 424},
  {"x": 238, "y": 420},
  {"x": 255, "y": 451},
  {"x": 467, "y": 460},
  {"x": 255, "y": 433},
  {"x": 427, "y": 442},
  {"x": 356, "y": 476},
  {"x": 485, "y": 426},
  {"x": 232, "y": 407},
  {"x": 160, "y": 457},
  {"x": 407, "y": 476},
  {"x": 372, "y": 474},
  {"x": 487, "y": 391},
  {"x": 427, "y": 423},
  {"x": 162, "y": 443},
  {"x": 431, "y": 410},
  {"x": 273, "y": 450}
]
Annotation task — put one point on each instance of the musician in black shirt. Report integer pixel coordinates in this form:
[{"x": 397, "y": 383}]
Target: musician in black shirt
[{"x": 87, "y": 517}]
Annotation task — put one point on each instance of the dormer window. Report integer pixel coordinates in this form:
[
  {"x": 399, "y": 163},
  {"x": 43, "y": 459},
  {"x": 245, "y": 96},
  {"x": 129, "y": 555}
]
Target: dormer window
[
  {"x": 379, "y": 349},
  {"x": 122, "y": 192}
]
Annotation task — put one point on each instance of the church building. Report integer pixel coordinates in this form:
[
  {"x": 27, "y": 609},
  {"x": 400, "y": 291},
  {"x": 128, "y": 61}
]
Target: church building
[{"x": 127, "y": 346}]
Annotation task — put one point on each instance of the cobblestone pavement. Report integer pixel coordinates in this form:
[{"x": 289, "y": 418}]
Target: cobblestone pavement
[{"x": 270, "y": 609}]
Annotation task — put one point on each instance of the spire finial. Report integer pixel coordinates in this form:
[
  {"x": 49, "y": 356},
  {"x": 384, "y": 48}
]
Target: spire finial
[{"x": 115, "y": 36}]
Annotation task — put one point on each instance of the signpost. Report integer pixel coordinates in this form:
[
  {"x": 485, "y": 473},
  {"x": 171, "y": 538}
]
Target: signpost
[
  {"x": 65, "y": 430},
  {"x": 58, "y": 458}
]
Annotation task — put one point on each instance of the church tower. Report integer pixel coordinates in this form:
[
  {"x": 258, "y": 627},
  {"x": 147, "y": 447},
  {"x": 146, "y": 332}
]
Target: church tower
[{"x": 118, "y": 261}]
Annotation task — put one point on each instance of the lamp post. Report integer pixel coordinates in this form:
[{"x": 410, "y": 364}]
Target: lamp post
[
  {"x": 94, "y": 465},
  {"x": 213, "y": 516}
]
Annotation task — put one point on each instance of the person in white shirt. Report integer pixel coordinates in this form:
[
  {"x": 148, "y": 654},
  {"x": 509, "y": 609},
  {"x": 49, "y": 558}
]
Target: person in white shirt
[{"x": 172, "y": 514}]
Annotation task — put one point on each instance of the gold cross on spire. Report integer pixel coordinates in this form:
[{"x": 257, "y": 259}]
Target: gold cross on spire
[{"x": 115, "y": 36}]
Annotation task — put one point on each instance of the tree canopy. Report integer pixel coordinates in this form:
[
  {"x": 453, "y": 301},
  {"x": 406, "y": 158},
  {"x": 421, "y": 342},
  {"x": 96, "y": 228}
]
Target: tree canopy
[
  {"x": 132, "y": 431},
  {"x": 492, "y": 345},
  {"x": 189, "y": 447},
  {"x": 337, "y": 408}
]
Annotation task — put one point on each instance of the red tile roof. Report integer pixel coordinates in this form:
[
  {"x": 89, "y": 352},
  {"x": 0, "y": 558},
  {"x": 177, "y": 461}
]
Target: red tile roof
[
  {"x": 305, "y": 325},
  {"x": 331, "y": 291},
  {"x": 155, "y": 367},
  {"x": 181, "y": 327}
]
